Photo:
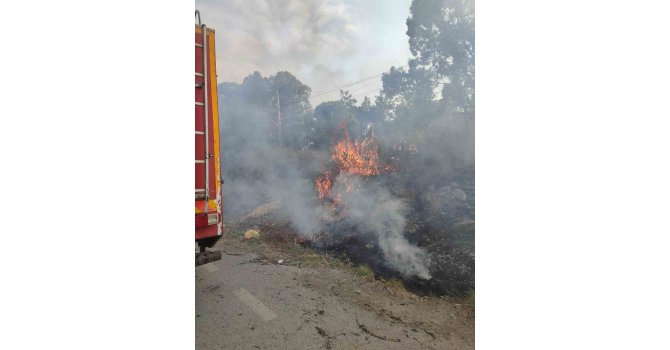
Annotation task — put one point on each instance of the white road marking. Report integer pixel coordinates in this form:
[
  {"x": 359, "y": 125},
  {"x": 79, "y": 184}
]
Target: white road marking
[
  {"x": 259, "y": 308},
  {"x": 211, "y": 268}
]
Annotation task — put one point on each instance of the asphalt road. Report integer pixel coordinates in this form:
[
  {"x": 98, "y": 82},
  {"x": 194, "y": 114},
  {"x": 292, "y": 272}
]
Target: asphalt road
[
  {"x": 243, "y": 304},
  {"x": 252, "y": 306}
]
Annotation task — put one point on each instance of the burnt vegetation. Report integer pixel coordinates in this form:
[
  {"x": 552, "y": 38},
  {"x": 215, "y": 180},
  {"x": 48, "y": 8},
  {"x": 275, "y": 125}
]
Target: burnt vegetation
[{"x": 387, "y": 183}]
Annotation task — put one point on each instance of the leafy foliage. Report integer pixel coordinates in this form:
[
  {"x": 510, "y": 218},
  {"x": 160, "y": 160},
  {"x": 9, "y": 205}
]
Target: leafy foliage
[
  {"x": 282, "y": 93},
  {"x": 442, "y": 40}
]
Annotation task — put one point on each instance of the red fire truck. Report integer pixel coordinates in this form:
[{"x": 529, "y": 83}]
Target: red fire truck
[{"x": 208, "y": 180}]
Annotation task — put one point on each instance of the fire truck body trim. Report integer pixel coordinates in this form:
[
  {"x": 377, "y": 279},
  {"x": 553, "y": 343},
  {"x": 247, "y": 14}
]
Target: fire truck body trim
[{"x": 208, "y": 206}]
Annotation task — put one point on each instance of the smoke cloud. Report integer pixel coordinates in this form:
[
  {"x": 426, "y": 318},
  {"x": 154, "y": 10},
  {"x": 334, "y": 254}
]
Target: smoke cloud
[
  {"x": 377, "y": 212},
  {"x": 273, "y": 35},
  {"x": 420, "y": 213},
  {"x": 324, "y": 42},
  {"x": 257, "y": 170}
]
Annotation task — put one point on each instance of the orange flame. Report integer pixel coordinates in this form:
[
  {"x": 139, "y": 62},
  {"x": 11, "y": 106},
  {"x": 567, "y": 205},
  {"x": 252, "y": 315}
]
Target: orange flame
[
  {"x": 323, "y": 184},
  {"x": 357, "y": 158},
  {"x": 352, "y": 158}
]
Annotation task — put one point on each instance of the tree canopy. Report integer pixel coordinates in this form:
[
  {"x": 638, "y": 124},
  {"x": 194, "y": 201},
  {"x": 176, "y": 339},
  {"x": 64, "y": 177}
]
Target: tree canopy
[{"x": 429, "y": 103}]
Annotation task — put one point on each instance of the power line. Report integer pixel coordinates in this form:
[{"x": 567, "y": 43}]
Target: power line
[
  {"x": 367, "y": 92},
  {"x": 346, "y": 85},
  {"x": 336, "y": 88},
  {"x": 271, "y": 109},
  {"x": 366, "y": 86}
]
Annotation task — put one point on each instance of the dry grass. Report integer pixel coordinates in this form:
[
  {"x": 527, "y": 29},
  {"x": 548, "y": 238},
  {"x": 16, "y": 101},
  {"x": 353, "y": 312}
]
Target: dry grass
[
  {"x": 278, "y": 242},
  {"x": 395, "y": 283},
  {"x": 364, "y": 271},
  {"x": 469, "y": 304}
]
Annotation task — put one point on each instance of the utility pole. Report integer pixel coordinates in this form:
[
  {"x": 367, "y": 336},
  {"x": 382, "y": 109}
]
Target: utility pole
[{"x": 281, "y": 139}]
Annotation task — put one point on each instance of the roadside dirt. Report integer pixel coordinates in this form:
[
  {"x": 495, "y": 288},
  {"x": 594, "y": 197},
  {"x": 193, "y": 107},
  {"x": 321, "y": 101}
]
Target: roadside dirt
[{"x": 310, "y": 301}]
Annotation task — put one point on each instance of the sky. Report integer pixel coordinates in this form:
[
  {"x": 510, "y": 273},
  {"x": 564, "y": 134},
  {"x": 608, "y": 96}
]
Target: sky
[{"x": 324, "y": 43}]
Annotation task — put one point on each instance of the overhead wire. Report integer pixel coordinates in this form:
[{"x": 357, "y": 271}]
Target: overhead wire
[
  {"x": 339, "y": 87},
  {"x": 273, "y": 109},
  {"x": 366, "y": 86},
  {"x": 367, "y": 92},
  {"x": 336, "y": 88},
  {"x": 324, "y": 92}
]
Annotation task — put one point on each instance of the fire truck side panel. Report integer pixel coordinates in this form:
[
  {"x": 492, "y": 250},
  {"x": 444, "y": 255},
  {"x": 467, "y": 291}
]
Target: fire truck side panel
[{"x": 214, "y": 205}]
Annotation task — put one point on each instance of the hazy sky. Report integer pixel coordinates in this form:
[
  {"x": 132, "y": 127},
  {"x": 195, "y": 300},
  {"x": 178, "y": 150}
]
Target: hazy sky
[{"x": 324, "y": 43}]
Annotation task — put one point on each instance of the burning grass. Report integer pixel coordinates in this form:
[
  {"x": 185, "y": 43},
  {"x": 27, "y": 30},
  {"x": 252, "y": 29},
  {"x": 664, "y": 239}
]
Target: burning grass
[
  {"x": 351, "y": 159},
  {"x": 357, "y": 157},
  {"x": 453, "y": 270},
  {"x": 368, "y": 213},
  {"x": 279, "y": 242}
]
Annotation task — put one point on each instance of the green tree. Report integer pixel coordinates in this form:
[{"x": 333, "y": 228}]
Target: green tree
[
  {"x": 294, "y": 106},
  {"x": 442, "y": 40},
  {"x": 430, "y": 104},
  {"x": 257, "y": 95},
  {"x": 331, "y": 119}
]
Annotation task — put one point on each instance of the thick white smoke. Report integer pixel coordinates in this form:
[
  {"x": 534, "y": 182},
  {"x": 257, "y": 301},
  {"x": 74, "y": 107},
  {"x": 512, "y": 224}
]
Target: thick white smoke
[{"x": 377, "y": 212}]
